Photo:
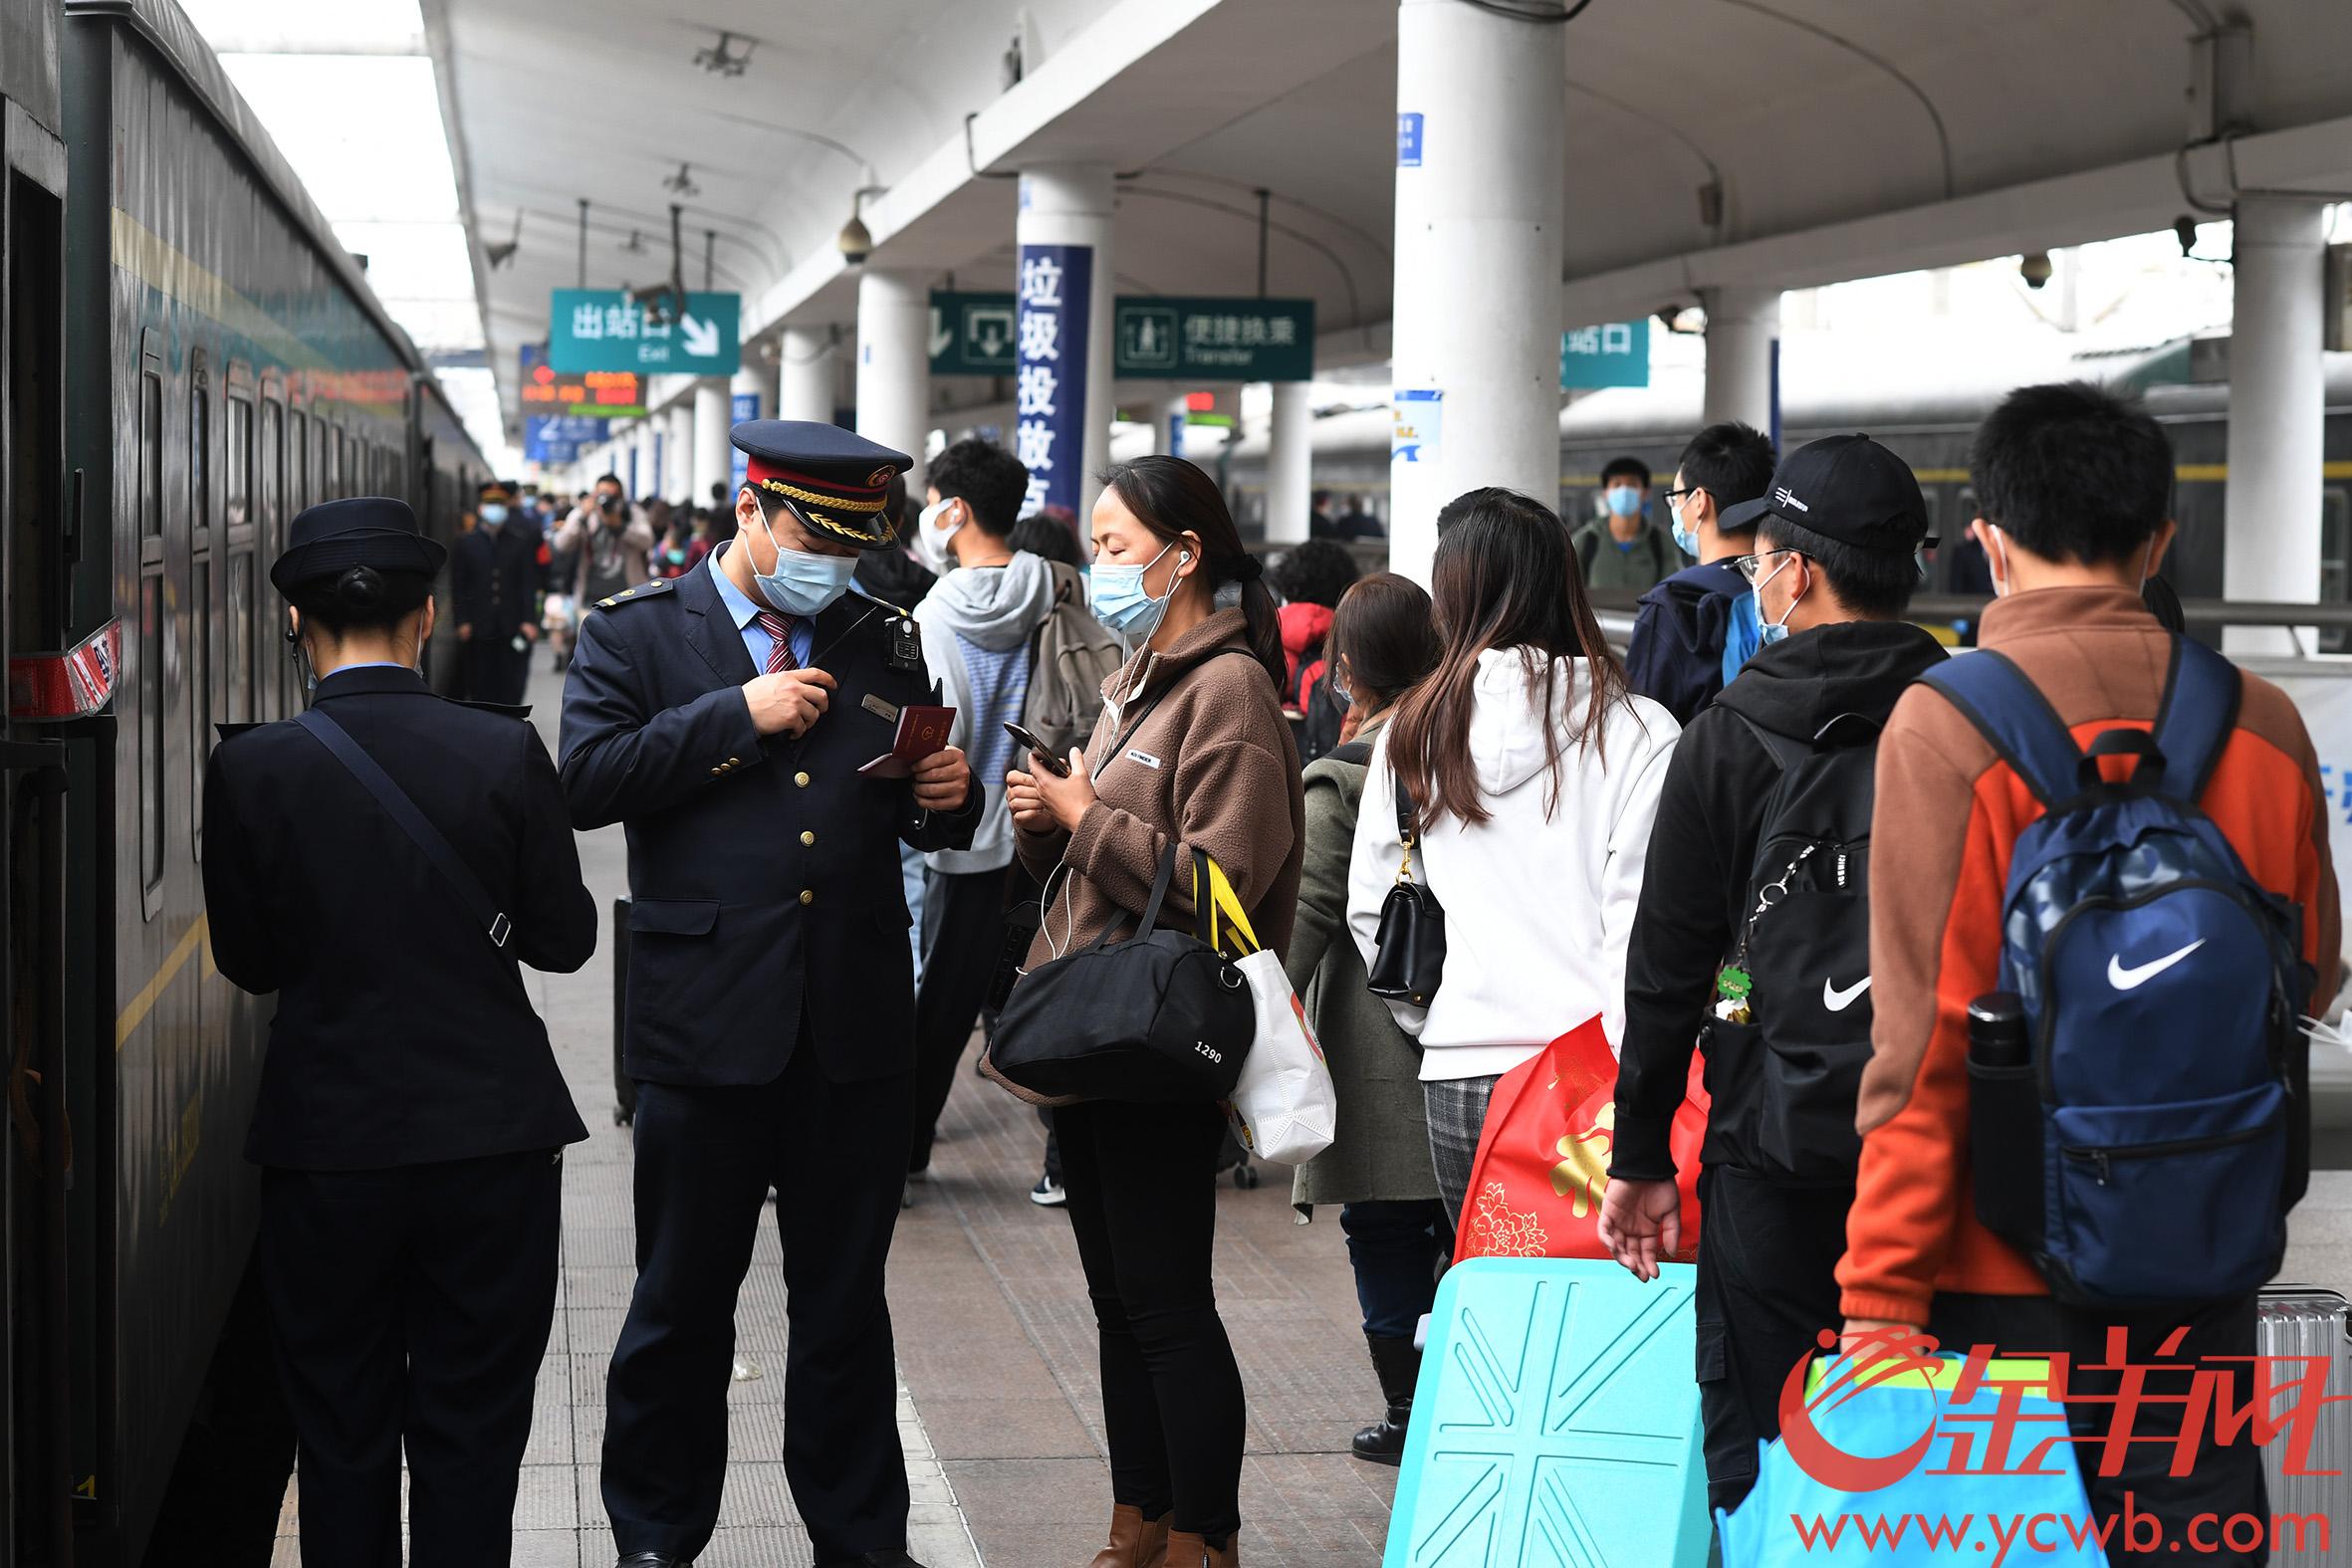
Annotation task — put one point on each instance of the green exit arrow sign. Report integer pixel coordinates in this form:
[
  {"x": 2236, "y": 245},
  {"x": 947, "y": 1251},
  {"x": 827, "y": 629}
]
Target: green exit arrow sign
[
  {"x": 604, "y": 329},
  {"x": 972, "y": 333}
]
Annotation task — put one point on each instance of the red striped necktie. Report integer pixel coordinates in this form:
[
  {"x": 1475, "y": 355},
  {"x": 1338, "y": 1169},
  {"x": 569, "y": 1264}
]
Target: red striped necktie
[{"x": 779, "y": 647}]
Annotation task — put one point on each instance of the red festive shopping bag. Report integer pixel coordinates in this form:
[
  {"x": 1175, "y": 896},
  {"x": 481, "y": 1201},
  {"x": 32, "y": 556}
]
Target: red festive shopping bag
[{"x": 1543, "y": 1155}]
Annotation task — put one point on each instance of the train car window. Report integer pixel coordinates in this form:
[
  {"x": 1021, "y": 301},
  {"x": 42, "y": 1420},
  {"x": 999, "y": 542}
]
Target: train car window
[
  {"x": 330, "y": 462},
  {"x": 240, "y": 632},
  {"x": 237, "y": 470},
  {"x": 200, "y": 616},
  {"x": 153, "y": 629},
  {"x": 298, "y": 461}
]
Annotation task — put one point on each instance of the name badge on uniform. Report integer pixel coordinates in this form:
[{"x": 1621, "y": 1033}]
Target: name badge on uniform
[
  {"x": 880, "y": 707},
  {"x": 907, "y": 645},
  {"x": 1145, "y": 758}
]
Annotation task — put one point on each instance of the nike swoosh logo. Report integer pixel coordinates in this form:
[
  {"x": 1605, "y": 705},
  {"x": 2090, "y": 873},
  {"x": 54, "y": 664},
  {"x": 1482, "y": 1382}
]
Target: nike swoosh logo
[
  {"x": 2139, "y": 975},
  {"x": 1837, "y": 1001}
]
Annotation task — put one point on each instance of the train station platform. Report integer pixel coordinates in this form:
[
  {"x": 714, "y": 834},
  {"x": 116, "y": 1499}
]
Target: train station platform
[{"x": 999, "y": 1406}]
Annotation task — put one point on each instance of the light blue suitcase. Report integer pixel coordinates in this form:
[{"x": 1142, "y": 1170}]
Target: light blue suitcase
[{"x": 1555, "y": 1424}]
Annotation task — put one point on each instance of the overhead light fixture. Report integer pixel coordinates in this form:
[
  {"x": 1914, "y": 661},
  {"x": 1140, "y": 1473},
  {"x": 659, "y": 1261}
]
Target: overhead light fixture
[
  {"x": 2036, "y": 269},
  {"x": 635, "y": 244},
  {"x": 721, "y": 60},
  {"x": 682, "y": 182},
  {"x": 499, "y": 255}
]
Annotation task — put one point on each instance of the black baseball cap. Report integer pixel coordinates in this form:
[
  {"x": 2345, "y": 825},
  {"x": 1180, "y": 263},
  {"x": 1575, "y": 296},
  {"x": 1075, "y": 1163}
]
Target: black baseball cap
[{"x": 1844, "y": 487}]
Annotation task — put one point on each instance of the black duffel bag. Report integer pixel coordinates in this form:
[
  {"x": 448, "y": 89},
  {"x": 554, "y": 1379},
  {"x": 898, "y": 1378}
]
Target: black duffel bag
[{"x": 1157, "y": 1017}]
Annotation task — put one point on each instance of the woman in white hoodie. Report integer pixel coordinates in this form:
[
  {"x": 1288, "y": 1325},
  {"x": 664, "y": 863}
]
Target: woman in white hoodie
[{"x": 1534, "y": 775}]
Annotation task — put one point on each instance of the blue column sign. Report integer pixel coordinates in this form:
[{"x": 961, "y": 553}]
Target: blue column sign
[
  {"x": 746, "y": 406},
  {"x": 1049, "y": 392},
  {"x": 1408, "y": 140}
]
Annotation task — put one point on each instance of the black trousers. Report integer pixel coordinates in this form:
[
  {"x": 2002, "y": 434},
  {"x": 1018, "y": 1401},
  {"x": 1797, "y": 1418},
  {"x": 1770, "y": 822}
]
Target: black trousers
[
  {"x": 1394, "y": 1246},
  {"x": 1142, "y": 1183},
  {"x": 706, "y": 1158},
  {"x": 963, "y": 938},
  {"x": 409, "y": 1308},
  {"x": 1766, "y": 1288},
  {"x": 2226, "y": 1480}
]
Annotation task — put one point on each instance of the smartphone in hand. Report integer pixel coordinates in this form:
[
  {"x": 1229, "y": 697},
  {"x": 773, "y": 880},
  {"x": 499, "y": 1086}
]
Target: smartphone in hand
[{"x": 1039, "y": 750}]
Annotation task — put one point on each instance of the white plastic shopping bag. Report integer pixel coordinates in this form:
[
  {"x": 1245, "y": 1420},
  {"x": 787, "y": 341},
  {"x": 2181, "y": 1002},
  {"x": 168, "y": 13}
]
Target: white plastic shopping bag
[{"x": 1285, "y": 1106}]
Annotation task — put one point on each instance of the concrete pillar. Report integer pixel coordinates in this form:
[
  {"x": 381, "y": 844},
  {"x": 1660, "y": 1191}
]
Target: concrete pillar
[
  {"x": 895, "y": 362},
  {"x": 806, "y": 370},
  {"x": 677, "y": 476},
  {"x": 1062, "y": 404},
  {"x": 1167, "y": 425},
  {"x": 1481, "y": 170},
  {"x": 712, "y": 422},
  {"x": 1742, "y": 327},
  {"x": 1290, "y": 464},
  {"x": 2277, "y": 408}
]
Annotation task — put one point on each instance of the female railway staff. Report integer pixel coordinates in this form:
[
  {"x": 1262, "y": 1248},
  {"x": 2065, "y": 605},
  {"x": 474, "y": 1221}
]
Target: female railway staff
[{"x": 385, "y": 863}]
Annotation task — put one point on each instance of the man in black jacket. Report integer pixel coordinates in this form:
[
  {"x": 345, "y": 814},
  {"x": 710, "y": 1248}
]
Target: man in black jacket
[
  {"x": 1697, "y": 628},
  {"x": 493, "y": 591},
  {"x": 1838, "y": 534}
]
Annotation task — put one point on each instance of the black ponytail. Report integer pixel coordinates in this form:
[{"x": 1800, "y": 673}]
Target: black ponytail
[{"x": 1172, "y": 496}]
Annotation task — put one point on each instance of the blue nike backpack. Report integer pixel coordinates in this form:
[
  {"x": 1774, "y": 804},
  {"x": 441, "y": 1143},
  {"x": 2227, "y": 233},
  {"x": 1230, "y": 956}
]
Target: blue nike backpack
[{"x": 2147, "y": 1153}]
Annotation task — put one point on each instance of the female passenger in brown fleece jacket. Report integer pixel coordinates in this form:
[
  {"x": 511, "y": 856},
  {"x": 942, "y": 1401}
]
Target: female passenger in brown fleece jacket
[{"x": 1211, "y": 765}]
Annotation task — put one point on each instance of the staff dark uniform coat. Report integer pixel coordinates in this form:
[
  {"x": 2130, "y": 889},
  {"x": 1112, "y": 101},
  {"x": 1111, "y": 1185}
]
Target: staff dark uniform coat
[
  {"x": 494, "y": 576},
  {"x": 769, "y": 1018},
  {"x": 411, "y": 1115}
]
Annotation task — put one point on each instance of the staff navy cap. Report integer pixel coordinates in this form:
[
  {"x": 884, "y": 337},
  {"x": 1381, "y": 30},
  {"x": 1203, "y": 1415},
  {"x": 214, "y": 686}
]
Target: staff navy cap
[
  {"x": 838, "y": 481},
  {"x": 1847, "y": 488},
  {"x": 360, "y": 531}
]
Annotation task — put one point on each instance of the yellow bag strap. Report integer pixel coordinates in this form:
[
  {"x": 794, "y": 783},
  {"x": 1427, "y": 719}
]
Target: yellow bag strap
[{"x": 1223, "y": 907}]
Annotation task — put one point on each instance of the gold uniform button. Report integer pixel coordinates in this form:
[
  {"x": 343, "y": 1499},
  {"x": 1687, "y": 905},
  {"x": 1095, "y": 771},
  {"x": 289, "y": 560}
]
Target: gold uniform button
[
  {"x": 807, "y": 839},
  {"x": 735, "y": 761},
  {"x": 807, "y": 896},
  {"x": 802, "y": 779}
]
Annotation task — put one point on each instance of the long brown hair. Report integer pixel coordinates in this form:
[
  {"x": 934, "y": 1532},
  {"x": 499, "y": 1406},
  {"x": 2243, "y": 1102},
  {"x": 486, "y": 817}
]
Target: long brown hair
[
  {"x": 1381, "y": 633},
  {"x": 1505, "y": 576},
  {"x": 1171, "y": 497}
]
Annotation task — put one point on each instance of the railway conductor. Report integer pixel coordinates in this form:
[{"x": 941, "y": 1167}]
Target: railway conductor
[
  {"x": 494, "y": 589},
  {"x": 384, "y": 864},
  {"x": 723, "y": 717}
]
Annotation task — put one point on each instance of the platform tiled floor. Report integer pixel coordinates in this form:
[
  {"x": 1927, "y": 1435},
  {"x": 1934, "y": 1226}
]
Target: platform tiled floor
[{"x": 1000, "y": 1412}]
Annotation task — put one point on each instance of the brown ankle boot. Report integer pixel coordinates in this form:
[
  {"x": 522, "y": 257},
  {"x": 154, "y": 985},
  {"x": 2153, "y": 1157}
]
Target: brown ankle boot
[
  {"x": 1186, "y": 1550},
  {"x": 1135, "y": 1542}
]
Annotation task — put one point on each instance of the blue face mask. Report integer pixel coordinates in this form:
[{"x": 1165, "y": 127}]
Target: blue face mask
[
  {"x": 1624, "y": 499},
  {"x": 1684, "y": 539},
  {"x": 1117, "y": 597},
  {"x": 1768, "y": 632},
  {"x": 493, "y": 513},
  {"x": 804, "y": 584}
]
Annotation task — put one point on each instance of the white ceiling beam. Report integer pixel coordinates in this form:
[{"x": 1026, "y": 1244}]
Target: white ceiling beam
[{"x": 2137, "y": 197}]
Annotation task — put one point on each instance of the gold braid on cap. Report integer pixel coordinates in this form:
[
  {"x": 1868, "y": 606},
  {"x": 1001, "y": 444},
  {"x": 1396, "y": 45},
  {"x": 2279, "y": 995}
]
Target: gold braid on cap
[{"x": 811, "y": 498}]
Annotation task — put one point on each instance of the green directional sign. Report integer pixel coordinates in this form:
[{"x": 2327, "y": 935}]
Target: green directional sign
[
  {"x": 1210, "y": 339},
  {"x": 604, "y": 329},
  {"x": 1156, "y": 337},
  {"x": 973, "y": 334}
]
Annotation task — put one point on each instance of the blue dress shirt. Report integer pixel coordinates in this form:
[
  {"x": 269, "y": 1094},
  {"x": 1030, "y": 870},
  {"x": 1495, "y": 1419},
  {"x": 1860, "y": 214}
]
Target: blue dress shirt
[{"x": 746, "y": 611}]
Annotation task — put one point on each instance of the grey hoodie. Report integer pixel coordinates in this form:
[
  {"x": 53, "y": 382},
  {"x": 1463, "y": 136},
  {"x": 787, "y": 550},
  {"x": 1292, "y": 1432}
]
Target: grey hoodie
[{"x": 977, "y": 625}]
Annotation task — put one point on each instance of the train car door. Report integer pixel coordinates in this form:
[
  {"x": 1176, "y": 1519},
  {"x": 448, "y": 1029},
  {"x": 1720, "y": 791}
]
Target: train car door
[{"x": 37, "y": 548}]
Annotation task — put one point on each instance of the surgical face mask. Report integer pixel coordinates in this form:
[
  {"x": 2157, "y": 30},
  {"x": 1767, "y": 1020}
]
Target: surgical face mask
[
  {"x": 1117, "y": 597},
  {"x": 1624, "y": 499},
  {"x": 1768, "y": 632},
  {"x": 493, "y": 513},
  {"x": 931, "y": 542},
  {"x": 804, "y": 584}
]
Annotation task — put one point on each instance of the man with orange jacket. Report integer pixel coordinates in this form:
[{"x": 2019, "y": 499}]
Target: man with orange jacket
[{"x": 2073, "y": 487}]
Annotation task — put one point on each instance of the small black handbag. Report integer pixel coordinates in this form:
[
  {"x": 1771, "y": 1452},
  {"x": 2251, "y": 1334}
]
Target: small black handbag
[
  {"x": 1158, "y": 1018},
  {"x": 1409, "y": 949}
]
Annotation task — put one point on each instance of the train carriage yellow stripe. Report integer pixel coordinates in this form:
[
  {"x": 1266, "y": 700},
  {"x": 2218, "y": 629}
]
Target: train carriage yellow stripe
[{"x": 135, "y": 1013}]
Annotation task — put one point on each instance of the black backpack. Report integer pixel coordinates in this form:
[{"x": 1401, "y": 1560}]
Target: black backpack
[{"x": 1784, "y": 1053}]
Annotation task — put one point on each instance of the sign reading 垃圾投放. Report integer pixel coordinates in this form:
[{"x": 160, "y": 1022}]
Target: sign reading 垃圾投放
[
  {"x": 606, "y": 330},
  {"x": 1155, "y": 337},
  {"x": 1049, "y": 391}
]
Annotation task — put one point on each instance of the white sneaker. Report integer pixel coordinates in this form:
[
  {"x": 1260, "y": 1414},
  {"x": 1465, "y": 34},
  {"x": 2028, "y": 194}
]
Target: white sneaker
[{"x": 1047, "y": 1194}]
